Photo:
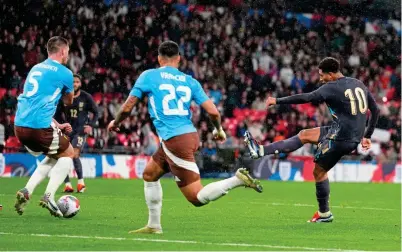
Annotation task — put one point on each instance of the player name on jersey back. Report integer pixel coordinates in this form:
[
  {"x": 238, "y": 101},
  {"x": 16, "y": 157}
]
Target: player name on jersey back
[{"x": 170, "y": 76}]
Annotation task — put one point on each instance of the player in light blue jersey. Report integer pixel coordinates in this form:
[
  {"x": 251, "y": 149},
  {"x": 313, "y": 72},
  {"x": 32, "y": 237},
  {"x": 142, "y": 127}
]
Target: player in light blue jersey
[
  {"x": 35, "y": 127},
  {"x": 170, "y": 93}
]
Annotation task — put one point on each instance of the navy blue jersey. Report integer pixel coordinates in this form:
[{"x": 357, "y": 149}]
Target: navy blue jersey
[
  {"x": 77, "y": 113},
  {"x": 348, "y": 100}
]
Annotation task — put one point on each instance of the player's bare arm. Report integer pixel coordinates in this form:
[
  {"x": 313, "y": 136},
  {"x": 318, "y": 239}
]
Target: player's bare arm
[
  {"x": 65, "y": 127},
  {"x": 123, "y": 113},
  {"x": 375, "y": 113},
  {"x": 215, "y": 118}
]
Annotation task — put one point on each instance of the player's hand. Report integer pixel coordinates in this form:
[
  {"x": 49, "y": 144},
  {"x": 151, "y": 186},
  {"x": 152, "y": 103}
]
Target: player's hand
[
  {"x": 87, "y": 129},
  {"x": 66, "y": 128},
  {"x": 366, "y": 143},
  {"x": 219, "y": 134},
  {"x": 113, "y": 127},
  {"x": 271, "y": 101}
]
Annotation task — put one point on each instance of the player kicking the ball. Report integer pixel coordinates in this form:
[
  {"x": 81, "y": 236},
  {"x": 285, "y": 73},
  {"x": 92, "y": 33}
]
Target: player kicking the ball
[
  {"x": 35, "y": 128},
  {"x": 348, "y": 100},
  {"x": 77, "y": 116},
  {"x": 170, "y": 93}
]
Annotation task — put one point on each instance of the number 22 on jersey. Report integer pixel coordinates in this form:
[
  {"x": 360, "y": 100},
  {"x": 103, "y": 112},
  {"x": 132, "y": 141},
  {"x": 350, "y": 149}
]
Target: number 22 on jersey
[
  {"x": 171, "y": 96},
  {"x": 361, "y": 98}
]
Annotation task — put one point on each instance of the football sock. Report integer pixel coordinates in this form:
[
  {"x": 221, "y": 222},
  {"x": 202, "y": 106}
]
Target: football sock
[
  {"x": 78, "y": 168},
  {"x": 215, "y": 190},
  {"x": 322, "y": 193},
  {"x": 57, "y": 175},
  {"x": 40, "y": 173},
  {"x": 284, "y": 146},
  {"x": 153, "y": 197},
  {"x": 68, "y": 183},
  {"x": 67, "y": 180}
]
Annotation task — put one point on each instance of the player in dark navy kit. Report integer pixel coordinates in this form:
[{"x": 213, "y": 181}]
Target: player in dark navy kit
[
  {"x": 348, "y": 100},
  {"x": 77, "y": 116}
]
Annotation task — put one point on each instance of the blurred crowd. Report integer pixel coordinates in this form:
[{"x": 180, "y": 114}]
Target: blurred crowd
[{"x": 240, "y": 57}]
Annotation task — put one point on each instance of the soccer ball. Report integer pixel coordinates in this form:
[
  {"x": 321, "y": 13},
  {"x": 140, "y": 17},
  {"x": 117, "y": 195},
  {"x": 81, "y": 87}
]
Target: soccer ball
[{"x": 69, "y": 206}]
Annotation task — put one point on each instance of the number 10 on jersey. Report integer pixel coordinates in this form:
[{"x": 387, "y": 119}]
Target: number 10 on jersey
[{"x": 361, "y": 98}]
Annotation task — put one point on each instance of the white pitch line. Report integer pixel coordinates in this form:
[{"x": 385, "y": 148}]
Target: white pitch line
[
  {"x": 309, "y": 205},
  {"x": 177, "y": 241}
]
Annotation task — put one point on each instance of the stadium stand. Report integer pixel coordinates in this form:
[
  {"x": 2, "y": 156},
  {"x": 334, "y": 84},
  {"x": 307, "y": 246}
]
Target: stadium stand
[{"x": 240, "y": 56}]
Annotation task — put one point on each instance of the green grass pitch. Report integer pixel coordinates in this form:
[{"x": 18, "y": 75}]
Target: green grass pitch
[{"x": 367, "y": 217}]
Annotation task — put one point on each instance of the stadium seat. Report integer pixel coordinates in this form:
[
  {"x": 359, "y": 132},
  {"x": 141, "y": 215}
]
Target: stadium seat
[
  {"x": 91, "y": 142},
  {"x": 12, "y": 145},
  {"x": 3, "y": 91},
  {"x": 14, "y": 91},
  {"x": 122, "y": 138},
  {"x": 97, "y": 97}
]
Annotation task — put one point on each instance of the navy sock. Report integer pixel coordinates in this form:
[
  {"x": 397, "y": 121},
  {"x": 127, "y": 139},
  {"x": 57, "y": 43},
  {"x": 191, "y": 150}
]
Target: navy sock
[
  {"x": 284, "y": 146},
  {"x": 78, "y": 167},
  {"x": 322, "y": 193},
  {"x": 67, "y": 180}
]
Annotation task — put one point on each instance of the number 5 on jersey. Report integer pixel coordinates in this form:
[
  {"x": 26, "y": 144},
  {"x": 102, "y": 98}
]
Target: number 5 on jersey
[
  {"x": 34, "y": 82},
  {"x": 180, "y": 110}
]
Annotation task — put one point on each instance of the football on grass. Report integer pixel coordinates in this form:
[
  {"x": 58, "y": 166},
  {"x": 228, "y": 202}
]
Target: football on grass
[{"x": 69, "y": 206}]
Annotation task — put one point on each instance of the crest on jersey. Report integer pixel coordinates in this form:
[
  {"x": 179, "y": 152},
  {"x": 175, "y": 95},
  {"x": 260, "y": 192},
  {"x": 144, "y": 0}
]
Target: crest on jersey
[{"x": 81, "y": 106}]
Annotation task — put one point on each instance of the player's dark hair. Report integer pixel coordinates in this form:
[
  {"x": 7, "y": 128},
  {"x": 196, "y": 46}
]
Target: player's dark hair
[
  {"x": 168, "y": 49},
  {"x": 77, "y": 76},
  {"x": 55, "y": 43},
  {"x": 329, "y": 65}
]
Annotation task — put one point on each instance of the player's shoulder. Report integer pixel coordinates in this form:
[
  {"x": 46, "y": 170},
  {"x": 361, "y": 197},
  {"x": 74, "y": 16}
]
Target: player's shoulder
[{"x": 85, "y": 94}]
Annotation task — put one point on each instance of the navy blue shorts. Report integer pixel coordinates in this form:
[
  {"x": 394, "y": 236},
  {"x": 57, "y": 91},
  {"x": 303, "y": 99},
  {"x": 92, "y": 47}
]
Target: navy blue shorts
[
  {"x": 329, "y": 151},
  {"x": 78, "y": 141}
]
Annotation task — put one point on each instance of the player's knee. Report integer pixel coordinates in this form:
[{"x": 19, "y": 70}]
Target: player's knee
[
  {"x": 319, "y": 174},
  {"x": 76, "y": 155},
  {"x": 149, "y": 176},
  {"x": 69, "y": 152}
]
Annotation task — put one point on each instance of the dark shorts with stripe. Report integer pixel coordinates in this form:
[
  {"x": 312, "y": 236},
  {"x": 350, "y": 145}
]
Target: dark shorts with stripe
[
  {"x": 330, "y": 151},
  {"x": 48, "y": 141},
  {"x": 176, "y": 155},
  {"x": 78, "y": 140}
]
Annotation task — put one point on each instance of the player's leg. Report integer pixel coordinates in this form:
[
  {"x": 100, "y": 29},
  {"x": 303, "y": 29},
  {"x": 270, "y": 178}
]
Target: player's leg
[
  {"x": 36, "y": 143},
  {"x": 199, "y": 195},
  {"x": 179, "y": 153},
  {"x": 153, "y": 192},
  {"x": 40, "y": 173},
  {"x": 285, "y": 146},
  {"x": 77, "y": 141},
  {"x": 78, "y": 169},
  {"x": 60, "y": 149},
  {"x": 329, "y": 152}
]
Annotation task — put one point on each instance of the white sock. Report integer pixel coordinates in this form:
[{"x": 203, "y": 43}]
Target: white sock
[
  {"x": 215, "y": 190},
  {"x": 81, "y": 181},
  {"x": 58, "y": 174},
  {"x": 69, "y": 184},
  {"x": 40, "y": 173},
  {"x": 153, "y": 197}
]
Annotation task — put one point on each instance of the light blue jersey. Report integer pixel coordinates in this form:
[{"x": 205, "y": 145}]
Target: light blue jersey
[
  {"x": 45, "y": 84},
  {"x": 170, "y": 93}
]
